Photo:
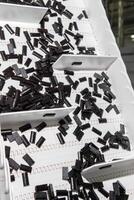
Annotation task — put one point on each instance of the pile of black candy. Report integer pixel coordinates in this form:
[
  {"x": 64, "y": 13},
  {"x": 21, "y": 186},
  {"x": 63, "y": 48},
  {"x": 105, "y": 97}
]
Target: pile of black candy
[
  {"x": 79, "y": 189},
  {"x": 25, "y": 2}
]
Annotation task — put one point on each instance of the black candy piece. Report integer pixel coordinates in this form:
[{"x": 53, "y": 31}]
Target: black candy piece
[
  {"x": 26, "y": 168},
  {"x": 40, "y": 126},
  {"x": 28, "y": 160},
  {"x": 65, "y": 173},
  {"x": 10, "y": 30},
  {"x": 101, "y": 141},
  {"x": 13, "y": 164},
  {"x": 25, "y": 179},
  {"x": 95, "y": 130},
  {"x": 102, "y": 120},
  {"x": 25, "y": 141},
  {"x": 103, "y": 192},
  {"x": 60, "y": 138},
  {"x": 28, "y": 62},
  {"x": 32, "y": 137},
  {"x": 12, "y": 178},
  {"x": 105, "y": 148},
  {"x": 85, "y": 126},
  {"x": 7, "y": 152},
  {"x": 17, "y": 31},
  {"x": 25, "y": 127},
  {"x": 40, "y": 195},
  {"x": 40, "y": 142},
  {"x": 40, "y": 188}
]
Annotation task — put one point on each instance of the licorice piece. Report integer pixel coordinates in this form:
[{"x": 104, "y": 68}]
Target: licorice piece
[
  {"x": 77, "y": 120},
  {"x": 7, "y": 152},
  {"x": 25, "y": 128},
  {"x": 109, "y": 108},
  {"x": 40, "y": 196},
  {"x": 65, "y": 173},
  {"x": 102, "y": 120},
  {"x": 95, "y": 88},
  {"x": 31, "y": 47},
  {"x": 122, "y": 128},
  {"x": 2, "y": 34},
  {"x": 61, "y": 193},
  {"x": 70, "y": 26},
  {"x": 24, "y": 50},
  {"x": 80, "y": 16},
  {"x": 16, "y": 69},
  {"x": 75, "y": 26},
  {"x": 65, "y": 47},
  {"x": 37, "y": 55},
  {"x": 101, "y": 141},
  {"x": 2, "y": 82},
  {"x": 35, "y": 34},
  {"x": 77, "y": 110},
  {"x": 25, "y": 141},
  {"x": 85, "y": 14},
  {"x": 82, "y": 104},
  {"x": 12, "y": 42},
  {"x": 17, "y": 31},
  {"x": 32, "y": 137},
  {"x": 85, "y": 91},
  {"x": 17, "y": 138},
  {"x": 97, "y": 94},
  {"x": 63, "y": 42},
  {"x": 36, "y": 42},
  {"x": 25, "y": 179},
  {"x": 105, "y": 148},
  {"x": 66, "y": 37},
  {"x": 29, "y": 70},
  {"x": 97, "y": 131},
  {"x": 60, "y": 138},
  {"x": 79, "y": 135},
  {"x": 114, "y": 146},
  {"x": 3, "y": 55},
  {"x": 77, "y": 99},
  {"x": 12, "y": 56},
  {"x": 40, "y": 188},
  {"x": 28, "y": 62},
  {"x": 13, "y": 164},
  {"x": 62, "y": 130},
  {"x": 28, "y": 160},
  {"x": 107, "y": 99},
  {"x": 82, "y": 79},
  {"x": 54, "y": 81},
  {"x": 69, "y": 33},
  {"x": 68, "y": 14},
  {"x": 40, "y": 142},
  {"x": 105, "y": 75},
  {"x": 12, "y": 178},
  {"x": 85, "y": 126},
  {"x": 116, "y": 109},
  {"x": 41, "y": 126},
  {"x": 10, "y": 30},
  {"x": 26, "y": 168},
  {"x": 23, "y": 72},
  {"x": 69, "y": 72},
  {"x": 107, "y": 136},
  {"x": 10, "y": 138},
  {"x": 68, "y": 119},
  {"x": 27, "y": 36},
  {"x": 75, "y": 85},
  {"x": 103, "y": 192},
  {"x": 70, "y": 81},
  {"x": 20, "y": 59}
]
